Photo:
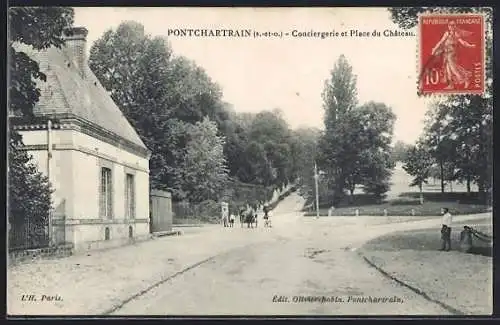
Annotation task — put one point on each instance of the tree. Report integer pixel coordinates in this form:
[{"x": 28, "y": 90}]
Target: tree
[
  {"x": 417, "y": 164},
  {"x": 195, "y": 94},
  {"x": 370, "y": 133},
  {"x": 399, "y": 151},
  {"x": 135, "y": 69},
  {"x": 305, "y": 148},
  {"x": 469, "y": 117},
  {"x": 262, "y": 149},
  {"x": 204, "y": 172},
  {"x": 339, "y": 98},
  {"x": 161, "y": 95},
  {"x": 469, "y": 133},
  {"x": 271, "y": 130},
  {"x": 360, "y": 149},
  {"x": 340, "y": 91},
  {"x": 41, "y": 28},
  {"x": 376, "y": 173},
  {"x": 29, "y": 192},
  {"x": 440, "y": 145}
]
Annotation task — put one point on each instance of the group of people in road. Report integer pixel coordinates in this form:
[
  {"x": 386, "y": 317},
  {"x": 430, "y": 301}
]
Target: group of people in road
[{"x": 247, "y": 214}]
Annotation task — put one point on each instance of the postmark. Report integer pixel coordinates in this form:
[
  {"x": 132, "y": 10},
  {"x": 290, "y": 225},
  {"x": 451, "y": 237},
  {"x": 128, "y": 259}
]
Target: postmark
[{"x": 451, "y": 54}]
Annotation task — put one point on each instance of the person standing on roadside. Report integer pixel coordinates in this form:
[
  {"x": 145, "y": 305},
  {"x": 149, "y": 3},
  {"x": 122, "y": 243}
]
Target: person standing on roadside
[
  {"x": 231, "y": 220},
  {"x": 446, "y": 230}
]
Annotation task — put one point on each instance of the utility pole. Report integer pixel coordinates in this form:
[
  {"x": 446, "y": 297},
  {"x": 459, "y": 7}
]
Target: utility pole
[
  {"x": 316, "y": 176},
  {"x": 49, "y": 160}
]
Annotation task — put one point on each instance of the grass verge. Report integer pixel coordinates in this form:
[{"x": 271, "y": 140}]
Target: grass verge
[
  {"x": 408, "y": 204},
  {"x": 462, "y": 281},
  {"x": 427, "y": 209}
]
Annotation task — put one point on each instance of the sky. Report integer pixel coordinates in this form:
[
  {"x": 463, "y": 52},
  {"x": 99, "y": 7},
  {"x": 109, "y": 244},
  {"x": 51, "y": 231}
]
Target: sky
[{"x": 289, "y": 72}]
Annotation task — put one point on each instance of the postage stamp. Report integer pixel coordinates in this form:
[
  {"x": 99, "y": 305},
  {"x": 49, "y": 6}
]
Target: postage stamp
[{"x": 451, "y": 54}]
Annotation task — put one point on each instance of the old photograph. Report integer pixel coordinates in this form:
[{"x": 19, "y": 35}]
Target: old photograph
[{"x": 182, "y": 161}]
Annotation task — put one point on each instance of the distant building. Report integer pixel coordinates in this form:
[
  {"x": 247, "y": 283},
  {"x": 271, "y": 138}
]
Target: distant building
[{"x": 96, "y": 161}]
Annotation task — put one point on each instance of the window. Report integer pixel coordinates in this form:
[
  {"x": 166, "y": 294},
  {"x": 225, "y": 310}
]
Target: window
[
  {"x": 106, "y": 194},
  {"x": 106, "y": 234},
  {"x": 129, "y": 196}
]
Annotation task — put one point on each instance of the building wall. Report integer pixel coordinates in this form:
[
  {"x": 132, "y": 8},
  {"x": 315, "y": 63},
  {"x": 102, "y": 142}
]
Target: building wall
[
  {"x": 76, "y": 163},
  {"x": 61, "y": 167},
  {"x": 87, "y": 174}
]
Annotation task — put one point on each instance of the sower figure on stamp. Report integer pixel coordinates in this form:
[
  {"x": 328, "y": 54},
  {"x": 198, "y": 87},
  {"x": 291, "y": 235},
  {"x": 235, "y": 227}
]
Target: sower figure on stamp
[
  {"x": 454, "y": 73},
  {"x": 446, "y": 230}
]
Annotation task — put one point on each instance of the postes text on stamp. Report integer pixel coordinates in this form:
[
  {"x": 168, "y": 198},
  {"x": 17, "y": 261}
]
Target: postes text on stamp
[{"x": 451, "y": 54}]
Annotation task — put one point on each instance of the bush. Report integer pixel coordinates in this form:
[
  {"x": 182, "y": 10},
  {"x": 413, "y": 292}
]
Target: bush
[
  {"x": 377, "y": 190},
  {"x": 239, "y": 194},
  {"x": 360, "y": 199},
  {"x": 206, "y": 211},
  {"x": 405, "y": 201},
  {"x": 459, "y": 197}
]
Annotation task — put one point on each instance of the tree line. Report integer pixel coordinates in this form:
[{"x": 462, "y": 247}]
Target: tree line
[
  {"x": 354, "y": 150},
  {"x": 200, "y": 144},
  {"x": 457, "y": 141}
]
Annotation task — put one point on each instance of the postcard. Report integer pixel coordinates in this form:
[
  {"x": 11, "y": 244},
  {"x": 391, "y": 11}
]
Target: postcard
[{"x": 182, "y": 161}]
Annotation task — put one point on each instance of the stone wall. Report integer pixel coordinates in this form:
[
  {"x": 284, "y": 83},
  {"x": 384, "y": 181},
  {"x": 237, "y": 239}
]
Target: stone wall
[{"x": 28, "y": 255}]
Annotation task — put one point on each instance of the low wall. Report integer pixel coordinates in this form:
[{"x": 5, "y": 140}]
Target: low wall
[
  {"x": 40, "y": 253},
  {"x": 66, "y": 250}
]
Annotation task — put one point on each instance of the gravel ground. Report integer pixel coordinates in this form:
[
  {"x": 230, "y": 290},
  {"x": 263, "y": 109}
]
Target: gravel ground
[
  {"x": 90, "y": 285},
  {"x": 250, "y": 281},
  {"x": 461, "y": 281},
  {"x": 274, "y": 261}
]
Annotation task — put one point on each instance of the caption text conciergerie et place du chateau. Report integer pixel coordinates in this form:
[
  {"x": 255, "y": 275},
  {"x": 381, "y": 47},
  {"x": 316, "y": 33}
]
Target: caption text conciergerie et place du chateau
[{"x": 294, "y": 33}]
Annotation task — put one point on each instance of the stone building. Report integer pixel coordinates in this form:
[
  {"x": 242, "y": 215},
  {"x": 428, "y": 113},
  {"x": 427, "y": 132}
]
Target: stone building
[{"x": 94, "y": 158}]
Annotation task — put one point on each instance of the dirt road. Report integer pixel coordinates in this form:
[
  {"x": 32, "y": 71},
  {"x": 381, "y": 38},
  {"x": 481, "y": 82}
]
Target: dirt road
[{"x": 300, "y": 266}]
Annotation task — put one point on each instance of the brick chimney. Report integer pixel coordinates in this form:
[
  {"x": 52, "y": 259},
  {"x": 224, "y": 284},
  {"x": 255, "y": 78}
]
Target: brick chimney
[{"x": 76, "y": 47}]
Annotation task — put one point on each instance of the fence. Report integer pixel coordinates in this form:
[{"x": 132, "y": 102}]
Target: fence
[
  {"x": 192, "y": 213},
  {"x": 25, "y": 234},
  {"x": 236, "y": 194}
]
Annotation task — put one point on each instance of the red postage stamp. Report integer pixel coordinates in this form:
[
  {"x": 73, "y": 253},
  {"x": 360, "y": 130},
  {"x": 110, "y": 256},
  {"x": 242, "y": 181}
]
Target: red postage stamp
[{"x": 451, "y": 54}]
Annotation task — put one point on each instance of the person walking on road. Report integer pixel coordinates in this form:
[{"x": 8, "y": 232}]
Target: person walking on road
[
  {"x": 225, "y": 216},
  {"x": 242, "y": 215},
  {"x": 446, "y": 230},
  {"x": 267, "y": 221}
]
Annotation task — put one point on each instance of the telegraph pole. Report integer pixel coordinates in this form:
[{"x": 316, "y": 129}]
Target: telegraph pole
[
  {"x": 316, "y": 176},
  {"x": 49, "y": 160}
]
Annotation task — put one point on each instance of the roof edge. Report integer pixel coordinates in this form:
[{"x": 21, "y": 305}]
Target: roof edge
[{"x": 80, "y": 124}]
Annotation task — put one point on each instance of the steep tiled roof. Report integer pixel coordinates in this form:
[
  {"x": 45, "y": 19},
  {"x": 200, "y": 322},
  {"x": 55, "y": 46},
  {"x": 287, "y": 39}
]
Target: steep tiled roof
[{"x": 66, "y": 91}]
